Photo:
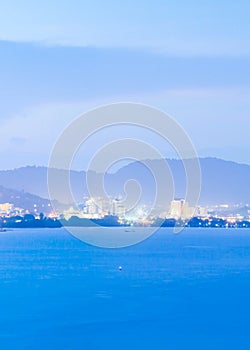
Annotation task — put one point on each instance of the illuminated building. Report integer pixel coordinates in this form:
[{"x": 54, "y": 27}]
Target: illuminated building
[
  {"x": 118, "y": 208},
  {"x": 93, "y": 206},
  {"x": 180, "y": 209},
  {"x": 176, "y": 208},
  {"x": 6, "y": 207}
]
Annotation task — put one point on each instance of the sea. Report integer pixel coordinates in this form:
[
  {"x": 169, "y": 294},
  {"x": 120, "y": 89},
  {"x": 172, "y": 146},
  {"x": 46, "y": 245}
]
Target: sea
[{"x": 172, "y": 291}]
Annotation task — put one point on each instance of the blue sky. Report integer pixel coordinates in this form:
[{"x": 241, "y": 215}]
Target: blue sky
[{"x": 59, "y": 59}]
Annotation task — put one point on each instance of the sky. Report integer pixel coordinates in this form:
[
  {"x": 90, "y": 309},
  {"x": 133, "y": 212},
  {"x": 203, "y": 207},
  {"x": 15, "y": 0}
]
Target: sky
[{"x": 59, "y": 59}]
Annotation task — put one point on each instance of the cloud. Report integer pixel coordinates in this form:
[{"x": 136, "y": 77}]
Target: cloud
[
  {"x": 190, "y": 28},
  {"x": 215, "y": 119}
]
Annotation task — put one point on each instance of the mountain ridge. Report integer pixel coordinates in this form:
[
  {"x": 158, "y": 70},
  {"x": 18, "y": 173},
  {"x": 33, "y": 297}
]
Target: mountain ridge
[{"x": 223, "y": 181}]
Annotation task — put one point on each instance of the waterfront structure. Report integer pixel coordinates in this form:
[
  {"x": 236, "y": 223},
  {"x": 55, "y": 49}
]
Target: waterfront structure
[
  {"x": 180, "y": 209},
  {"x": 118, "y": 208},
  {"x": 176, "y": 208},
  {"x": 6, "y": 208}
]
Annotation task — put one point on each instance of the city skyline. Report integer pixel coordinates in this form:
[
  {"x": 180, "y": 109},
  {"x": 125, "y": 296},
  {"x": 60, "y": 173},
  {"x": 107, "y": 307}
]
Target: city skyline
[{"x": 124, "y": 174}]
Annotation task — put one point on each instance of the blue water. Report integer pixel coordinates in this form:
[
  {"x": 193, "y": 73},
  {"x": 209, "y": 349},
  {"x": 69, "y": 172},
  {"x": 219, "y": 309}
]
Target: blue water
[{"x": 187, "y": 291}]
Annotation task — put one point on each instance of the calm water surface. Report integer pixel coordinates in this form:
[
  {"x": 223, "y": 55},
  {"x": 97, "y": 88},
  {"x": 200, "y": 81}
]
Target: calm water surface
[{"x": 187, "y": 291}]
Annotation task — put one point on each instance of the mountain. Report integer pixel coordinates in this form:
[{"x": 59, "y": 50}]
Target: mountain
[
  {"x": 25, "y": 200},
  {"x": 222, "y": 181}
]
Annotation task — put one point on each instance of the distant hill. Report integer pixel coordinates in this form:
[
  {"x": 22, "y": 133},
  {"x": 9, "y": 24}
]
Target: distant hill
[
  {"x": 25, "y": 200},
  {"x": 222, "y": 181}
]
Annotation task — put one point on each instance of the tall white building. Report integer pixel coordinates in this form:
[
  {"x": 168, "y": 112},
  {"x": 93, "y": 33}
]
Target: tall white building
[
  {"x": 180, "y": 209},
  {"x": 118, "y": 208},
  {"x": 176, "y": 208}
]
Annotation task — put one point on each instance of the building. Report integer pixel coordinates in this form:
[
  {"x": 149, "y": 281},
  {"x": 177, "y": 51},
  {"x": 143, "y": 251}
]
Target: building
[
  {"x": 118, "y": 208},
  {"x": 6, "y": 208},
  {"x": 202, "y": 211},
  {"x": 93, "y": 207},
  {"x": 180, "y": 209},
  {"x": 67, "y": 214},
  {"x": 176, "y": 208}
]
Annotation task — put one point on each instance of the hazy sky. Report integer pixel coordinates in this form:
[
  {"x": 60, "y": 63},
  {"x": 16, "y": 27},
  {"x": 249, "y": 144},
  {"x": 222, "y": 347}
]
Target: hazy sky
[{"x": 61, "y": 58}]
